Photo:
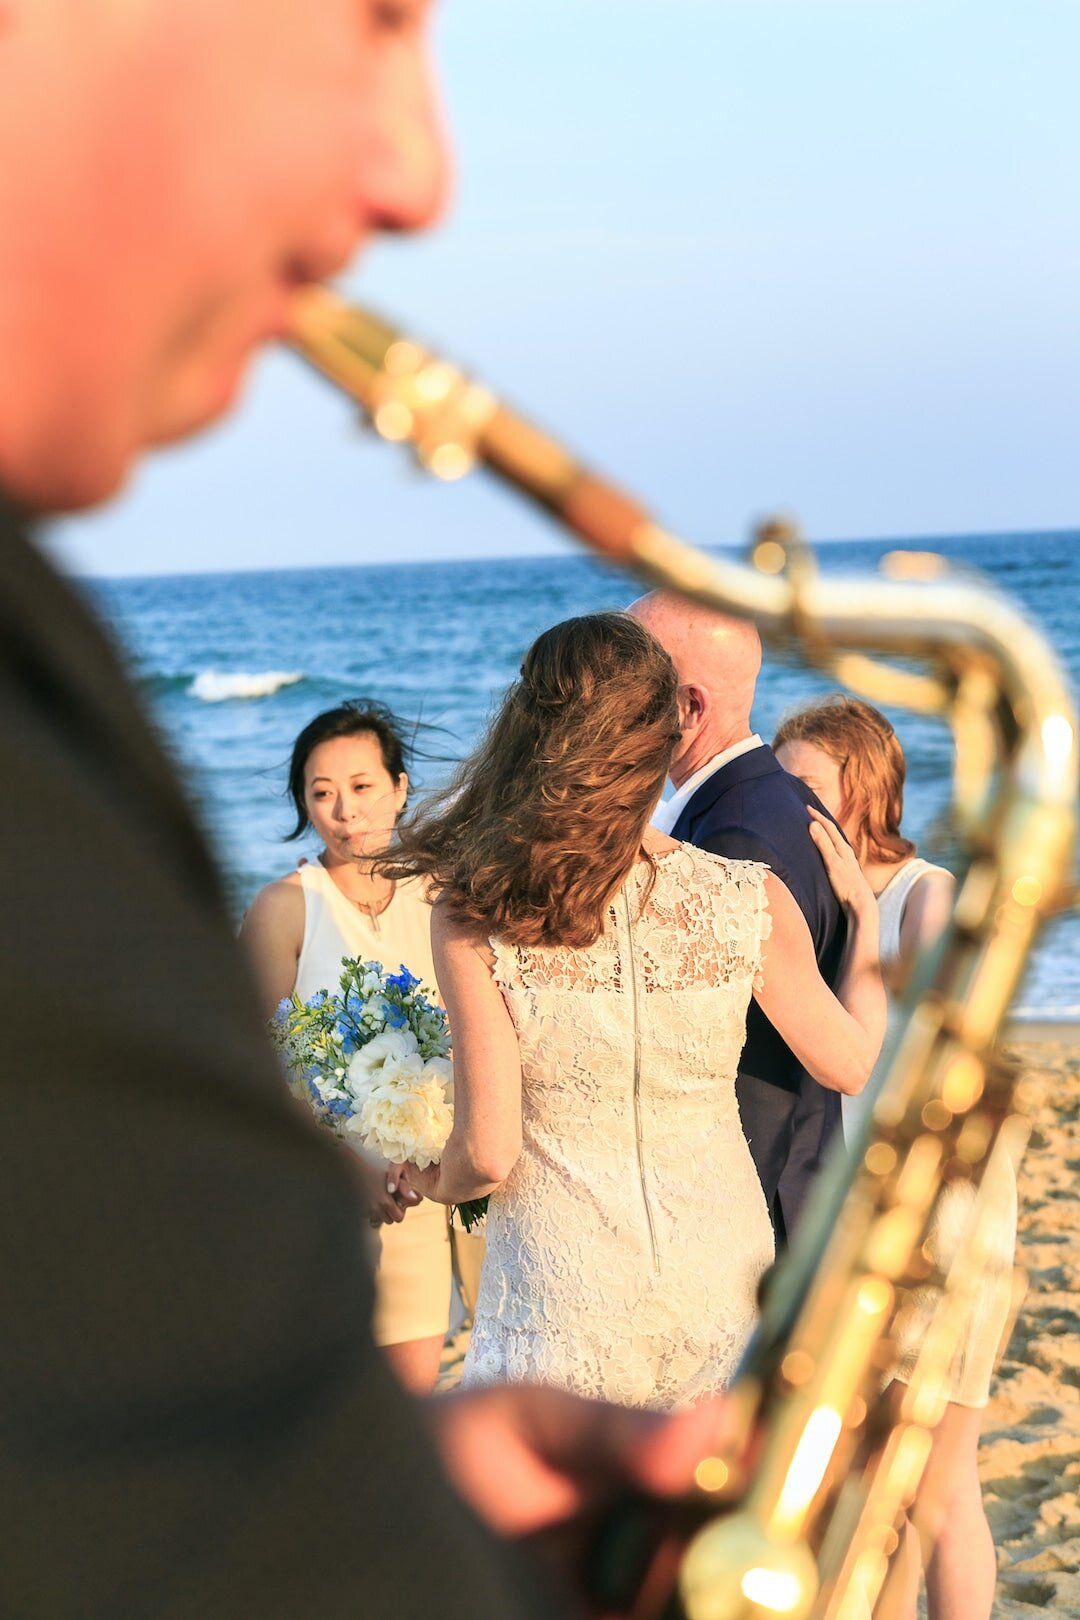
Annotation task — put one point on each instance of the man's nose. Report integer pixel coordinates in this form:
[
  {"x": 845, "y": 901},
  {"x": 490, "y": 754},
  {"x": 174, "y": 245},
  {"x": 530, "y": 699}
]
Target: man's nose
[{"x": 405, "y": 177}]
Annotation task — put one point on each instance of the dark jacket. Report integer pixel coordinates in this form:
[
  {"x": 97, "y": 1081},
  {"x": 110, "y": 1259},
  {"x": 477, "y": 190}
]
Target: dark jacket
[
  {"x": 752, "y": 809},
  {"x": 194, "y": 1420}
]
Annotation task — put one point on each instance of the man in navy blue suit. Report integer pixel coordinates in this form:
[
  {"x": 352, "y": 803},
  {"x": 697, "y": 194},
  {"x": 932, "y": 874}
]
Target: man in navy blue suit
[{"x": 733, "y": 798}]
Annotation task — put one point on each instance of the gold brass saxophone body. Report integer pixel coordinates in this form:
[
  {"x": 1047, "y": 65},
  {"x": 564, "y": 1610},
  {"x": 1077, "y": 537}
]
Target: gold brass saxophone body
[{"x": 808, "y": 1529}]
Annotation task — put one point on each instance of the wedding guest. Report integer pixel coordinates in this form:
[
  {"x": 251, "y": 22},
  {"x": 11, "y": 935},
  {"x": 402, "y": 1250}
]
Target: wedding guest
[
  {"x": 848, "y": 754},
  {"x": 597, "y": 975},
  {"x": 193, "y": 1417},
  {"x": 348, "y": 783},
  {"x": 732, "y": 798}
]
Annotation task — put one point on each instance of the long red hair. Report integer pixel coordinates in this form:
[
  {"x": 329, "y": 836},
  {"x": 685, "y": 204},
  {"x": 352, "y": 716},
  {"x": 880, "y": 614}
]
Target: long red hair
[{"x": 872, "y": 769}]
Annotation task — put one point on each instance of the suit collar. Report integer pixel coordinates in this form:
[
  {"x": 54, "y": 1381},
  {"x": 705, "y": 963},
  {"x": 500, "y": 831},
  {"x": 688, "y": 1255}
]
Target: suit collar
[
  {"x": 669, "y": 811},
  {"x": 744, "y": 768}
]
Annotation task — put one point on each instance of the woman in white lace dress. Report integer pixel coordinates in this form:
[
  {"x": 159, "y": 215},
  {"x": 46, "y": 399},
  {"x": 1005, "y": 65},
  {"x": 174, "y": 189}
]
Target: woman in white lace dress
[{"x": 597, "y": 976}]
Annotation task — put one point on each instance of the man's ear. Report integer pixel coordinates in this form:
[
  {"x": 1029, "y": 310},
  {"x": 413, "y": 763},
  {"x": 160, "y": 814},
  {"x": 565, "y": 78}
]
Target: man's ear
[{"x": 693, "y": 702}]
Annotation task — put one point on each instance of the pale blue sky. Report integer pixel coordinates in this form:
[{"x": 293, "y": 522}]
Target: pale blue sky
[{"x": 819, "y": 255}]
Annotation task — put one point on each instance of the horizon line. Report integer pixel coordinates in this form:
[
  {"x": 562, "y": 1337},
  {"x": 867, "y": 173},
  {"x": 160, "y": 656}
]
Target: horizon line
[{"x": 908, "y": 541}]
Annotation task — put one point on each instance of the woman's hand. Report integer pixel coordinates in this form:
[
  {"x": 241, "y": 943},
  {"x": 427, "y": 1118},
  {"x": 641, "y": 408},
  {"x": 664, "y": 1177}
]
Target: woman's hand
[
  {"x": 389, "y": 1197},
  {"x": 841, "y": 865},
  {"x": 416, "y": 1184}
]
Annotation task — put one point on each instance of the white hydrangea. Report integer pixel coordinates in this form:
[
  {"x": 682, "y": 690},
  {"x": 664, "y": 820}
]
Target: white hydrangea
[
  {"x": 387, "y": 1051},
  {"x": 403, "y": 1122},
  {"x": 442, "y": 1070}
]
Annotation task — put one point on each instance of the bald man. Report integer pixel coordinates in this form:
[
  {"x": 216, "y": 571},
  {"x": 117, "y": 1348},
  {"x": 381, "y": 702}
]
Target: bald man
[{"x": 733, "y": 798}]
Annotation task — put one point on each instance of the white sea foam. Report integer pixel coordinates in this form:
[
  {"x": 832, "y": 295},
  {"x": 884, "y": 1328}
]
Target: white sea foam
[{"x": 214, "y": 686}]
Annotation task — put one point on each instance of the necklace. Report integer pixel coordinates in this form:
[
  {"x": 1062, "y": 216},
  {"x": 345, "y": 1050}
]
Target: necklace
[
  {"x": 373, "y": 909},
  {"x": 370, "y": 908}
]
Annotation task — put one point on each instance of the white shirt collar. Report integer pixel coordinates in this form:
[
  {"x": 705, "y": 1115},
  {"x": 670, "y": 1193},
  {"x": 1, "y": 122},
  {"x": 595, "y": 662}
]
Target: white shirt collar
[{"x": 668, "y": 811}]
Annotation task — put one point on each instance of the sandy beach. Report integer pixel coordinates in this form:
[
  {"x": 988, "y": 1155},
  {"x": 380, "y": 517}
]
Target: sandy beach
[{"x": 1030, "y": 1453}]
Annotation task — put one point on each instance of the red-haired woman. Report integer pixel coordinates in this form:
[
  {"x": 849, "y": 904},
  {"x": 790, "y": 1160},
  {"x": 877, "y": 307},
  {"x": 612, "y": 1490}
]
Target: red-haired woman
[
  {"x": 597, "y": 976},
  {"x": 848, "y": 754}
]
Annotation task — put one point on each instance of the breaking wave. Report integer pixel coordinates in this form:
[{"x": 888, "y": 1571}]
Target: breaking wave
[{"x": 213, "y": 686}]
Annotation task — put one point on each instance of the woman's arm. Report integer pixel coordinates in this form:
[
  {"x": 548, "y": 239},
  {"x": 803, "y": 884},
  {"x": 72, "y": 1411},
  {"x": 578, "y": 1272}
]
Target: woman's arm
[
  {"x": 272, "y": 934},
  {"x": 835, "y": 1037},
  {"x": 928, "y": 909},
  {"x": 486, "y": 1139}
]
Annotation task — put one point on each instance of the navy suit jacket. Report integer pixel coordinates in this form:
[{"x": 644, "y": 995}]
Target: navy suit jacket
[{"x": 752, "y": 809}]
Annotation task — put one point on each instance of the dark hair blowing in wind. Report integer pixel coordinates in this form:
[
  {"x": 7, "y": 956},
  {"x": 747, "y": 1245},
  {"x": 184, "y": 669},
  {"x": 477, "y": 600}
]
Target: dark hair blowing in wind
[
  {"x": 542, "y": 824},
  {"x": 356, "y": 717}
]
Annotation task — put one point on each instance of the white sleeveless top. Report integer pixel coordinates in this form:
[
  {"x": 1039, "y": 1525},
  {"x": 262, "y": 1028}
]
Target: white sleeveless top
[
  {"x": 892, "y": 903},
  {"x": 412, "y": 1299},
  {"x": 969, "y": 1377},
  {"x": 333, "y": 927}
]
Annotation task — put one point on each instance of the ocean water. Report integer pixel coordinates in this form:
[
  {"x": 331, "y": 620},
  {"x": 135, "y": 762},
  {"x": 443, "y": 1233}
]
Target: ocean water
[{"x": 233, "y": 665}]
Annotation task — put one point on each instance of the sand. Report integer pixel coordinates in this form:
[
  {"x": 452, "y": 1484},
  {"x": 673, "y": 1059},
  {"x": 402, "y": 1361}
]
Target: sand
[{"x": 1029, "y": 1460}]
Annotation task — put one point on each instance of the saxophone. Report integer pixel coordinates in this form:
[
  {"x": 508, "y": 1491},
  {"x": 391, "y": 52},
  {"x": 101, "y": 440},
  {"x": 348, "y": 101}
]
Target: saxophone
[{"x": 799, "y": 1511}]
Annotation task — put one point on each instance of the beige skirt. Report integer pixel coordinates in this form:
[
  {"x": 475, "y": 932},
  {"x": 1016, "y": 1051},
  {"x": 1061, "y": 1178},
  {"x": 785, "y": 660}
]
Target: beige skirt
[{"x": 412, "y": 1276}]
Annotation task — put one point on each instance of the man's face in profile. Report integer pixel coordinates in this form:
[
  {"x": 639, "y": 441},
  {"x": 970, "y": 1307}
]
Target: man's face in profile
[{"x": 187, "y": 165}]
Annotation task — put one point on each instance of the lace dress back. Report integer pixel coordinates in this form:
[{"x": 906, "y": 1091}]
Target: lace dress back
[{"x": 625, "y": 1247}]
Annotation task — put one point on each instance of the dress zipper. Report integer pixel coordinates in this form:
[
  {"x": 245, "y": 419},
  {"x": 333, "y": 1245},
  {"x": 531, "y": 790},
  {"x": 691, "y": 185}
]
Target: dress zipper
[{"x": 637, "y": 1084}]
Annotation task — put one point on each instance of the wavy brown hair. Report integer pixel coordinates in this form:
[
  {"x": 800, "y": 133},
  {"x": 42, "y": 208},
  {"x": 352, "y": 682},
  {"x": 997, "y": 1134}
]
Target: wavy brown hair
[
  {"x": 541, "y": 825},
  {"x": 872, "y": 768}
]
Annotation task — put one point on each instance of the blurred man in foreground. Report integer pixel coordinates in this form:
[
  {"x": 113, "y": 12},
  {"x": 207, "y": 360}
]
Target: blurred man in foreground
[{"x": 193, "y": 1420}]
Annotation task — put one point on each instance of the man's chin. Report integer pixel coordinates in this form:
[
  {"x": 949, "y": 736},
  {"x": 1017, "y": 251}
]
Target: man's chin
[
  {"x": 194, "y": 409},
  {"x": 64, "y": 483},
  {"x": 71, "y": 472}
]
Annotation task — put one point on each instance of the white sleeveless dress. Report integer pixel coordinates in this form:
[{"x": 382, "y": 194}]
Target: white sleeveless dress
[
  {"x": 413, "y": 1272},
  {"x": 625, "y": 1247},
  {"x": 969, "y": 1383}
]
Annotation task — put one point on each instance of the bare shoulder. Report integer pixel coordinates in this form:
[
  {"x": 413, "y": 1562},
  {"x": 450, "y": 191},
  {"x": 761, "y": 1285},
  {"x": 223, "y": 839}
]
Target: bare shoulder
[
  {"x": 279, "y": 905},
  {"x": 459, "y": 946},
  {"x": 456, "y": 938}
]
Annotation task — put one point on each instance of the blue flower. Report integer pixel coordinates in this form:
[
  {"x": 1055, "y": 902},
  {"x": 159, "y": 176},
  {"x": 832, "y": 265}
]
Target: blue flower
[
  {"x": 340, "y": 1105},
  {"x": 403, "y": 981},
  {"x": 283, "y": 1009}
]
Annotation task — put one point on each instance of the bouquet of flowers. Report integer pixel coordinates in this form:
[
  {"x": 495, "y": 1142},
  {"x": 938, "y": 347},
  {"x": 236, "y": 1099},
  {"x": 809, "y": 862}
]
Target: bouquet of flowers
[{"x": 372, "y": 1059}]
